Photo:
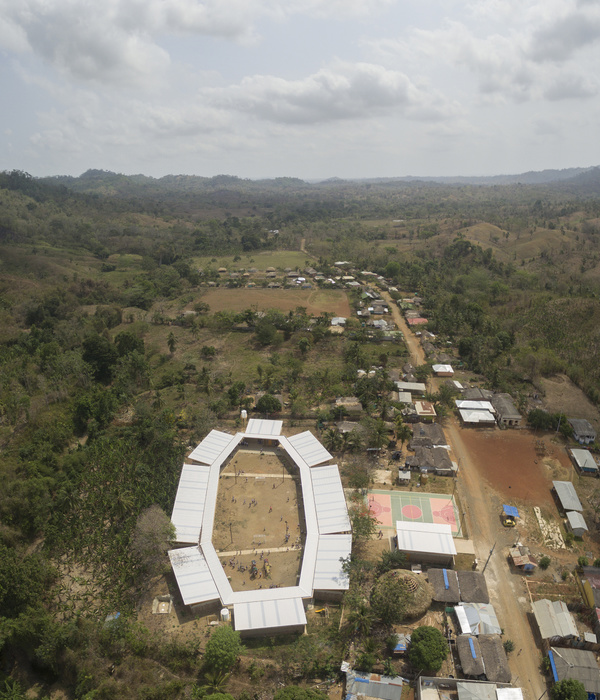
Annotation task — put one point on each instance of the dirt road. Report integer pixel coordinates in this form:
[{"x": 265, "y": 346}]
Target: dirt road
[
  {"x": 412, "y": 342},
  {"x": 508, "y": 594}
]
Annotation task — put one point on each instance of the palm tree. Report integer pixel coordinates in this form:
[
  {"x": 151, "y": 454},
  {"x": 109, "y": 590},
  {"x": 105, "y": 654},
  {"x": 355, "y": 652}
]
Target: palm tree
[{"x": 332, "y": 440}]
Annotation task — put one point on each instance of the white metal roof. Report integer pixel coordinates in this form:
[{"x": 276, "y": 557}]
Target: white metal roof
[
  {"x": 189, "y": 503},
  {"x": 432, "y": 538},
  {"x": 309, "y": 448},
  {"x": 442, "y": 368},
  {"x": 268, "y": 614},
  {"x": 584, "y": 460},
  {"x": 567, "y": 495},
  {"x": 463, "y": 621},
  {"x": 193, "y": 576},
  {"x": 211, "y": 447},
  {"x": 475, "y": 691},
  {"x": 475, "y": 405},
  {"x": 328, "y": 570},
  {"x": 509, "y": 693},
  {"x": 330, "y": 502},
  {"x": 470, "y": 416},
  {"x": 553, "y": 619},
  {"x": 576, "y": 521},
  {"x": 263, "y": 428},
  {"x": 411, "y": 386}
]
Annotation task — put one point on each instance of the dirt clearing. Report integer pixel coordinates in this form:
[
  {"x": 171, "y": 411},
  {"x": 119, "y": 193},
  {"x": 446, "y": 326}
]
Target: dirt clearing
[
  {"x": 510, "y": 461},
  {"x": 561, "y": 395},
  {"x": 316, "y": 301}
]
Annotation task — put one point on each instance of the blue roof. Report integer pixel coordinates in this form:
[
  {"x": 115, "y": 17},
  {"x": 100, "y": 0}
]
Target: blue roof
[{"x": 511, "y": 511}]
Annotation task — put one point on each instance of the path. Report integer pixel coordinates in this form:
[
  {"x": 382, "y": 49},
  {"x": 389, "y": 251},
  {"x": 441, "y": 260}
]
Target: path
[
  {"x": 508, "y": 593},
  {"x": 415, "y": 350}
]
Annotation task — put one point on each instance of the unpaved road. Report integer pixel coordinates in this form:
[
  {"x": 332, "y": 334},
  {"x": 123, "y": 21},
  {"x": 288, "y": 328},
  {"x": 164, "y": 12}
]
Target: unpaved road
[{"x": 508, "y": 594}]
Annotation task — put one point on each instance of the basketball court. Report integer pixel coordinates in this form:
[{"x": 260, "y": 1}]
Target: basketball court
[{"x": 390, "y": 506}]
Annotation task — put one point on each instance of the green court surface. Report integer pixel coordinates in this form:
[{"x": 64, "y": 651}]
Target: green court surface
[{"x": 390, "y": 506}]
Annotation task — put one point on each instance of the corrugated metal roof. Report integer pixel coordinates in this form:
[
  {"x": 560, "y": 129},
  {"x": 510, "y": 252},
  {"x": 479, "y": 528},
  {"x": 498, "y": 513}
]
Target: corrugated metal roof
[
  {"x": 553, "y": 619},
  {"x": 576, "y": 521},
  {"x": 194, "y": 578},
  {"x": 567, "y": 495},
  {"x": 475, "y": 416},
  {"x": 509, "y": 693},
  {"x": 309, "y": 448},
  {"x": 474, "y": 405},
  {"x": 263, "y": 428},
  {"x": 330, "y": 502},
  {"x": 482, "y": 618},
  {"x": 189, "y": 503},
  {"x": 211, "y": 447},
  {"x": 580, "y": 664},
  {"x": 268, "y": 614},
  {"x": 476, "y": 691},
  {"x": 431, "y": 538},
  {"x": 328, "y": 569},
  {"x": 584, "y": 460}
]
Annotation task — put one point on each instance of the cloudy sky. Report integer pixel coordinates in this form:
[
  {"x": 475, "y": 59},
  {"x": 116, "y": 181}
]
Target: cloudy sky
[{"x": 304, "y": 88}]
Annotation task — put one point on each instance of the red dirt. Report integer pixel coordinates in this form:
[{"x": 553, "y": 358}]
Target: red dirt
[{"x": 507, "y": 460}]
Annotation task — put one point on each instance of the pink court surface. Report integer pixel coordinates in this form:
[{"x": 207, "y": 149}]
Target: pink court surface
[{"x": 390, "y": 506}]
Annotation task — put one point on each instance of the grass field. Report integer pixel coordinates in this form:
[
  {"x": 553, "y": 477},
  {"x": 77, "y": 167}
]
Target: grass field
[
  {"x": 261, "y": 260},
  {"x": 316, "y": 301}
]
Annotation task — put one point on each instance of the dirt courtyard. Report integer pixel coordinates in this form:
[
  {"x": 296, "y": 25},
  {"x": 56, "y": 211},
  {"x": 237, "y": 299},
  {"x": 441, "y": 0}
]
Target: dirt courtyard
[
  {"x": 509, "y": 462},
  {"x": 259, "y": 516}
]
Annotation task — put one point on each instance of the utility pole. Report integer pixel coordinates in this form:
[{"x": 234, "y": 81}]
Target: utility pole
[{"x": 489, "y": 557}]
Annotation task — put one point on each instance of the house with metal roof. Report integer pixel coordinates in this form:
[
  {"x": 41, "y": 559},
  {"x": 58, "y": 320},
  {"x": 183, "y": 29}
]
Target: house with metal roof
[
  {"x": 506, "y": 412},
  {"x": 567, "y": 496},
  {"x": 576, "y": 523},
  {"x": 555, "y": 623},
  {"x": 412, "y": 387},
  {"x": 434, "y": 688},
  {"x": 583, "y": 431},
  {"x": 442, "y": 370},
  {"x": 584, "y": 462},
  {"x": 427, "y": 435},
  {"x": 477, "y": 618},
  {"x": 198, "y": 570},
  {"x": 579, "y": 664}
]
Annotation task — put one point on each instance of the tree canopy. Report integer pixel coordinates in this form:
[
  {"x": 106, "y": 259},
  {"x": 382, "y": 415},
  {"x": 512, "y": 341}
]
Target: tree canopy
[
  {"x": 293, "y": 692},
  {"x": 569, "y": 689},
  {"x": 223, "y": 649},
  {"x": 428, "y": 649}
]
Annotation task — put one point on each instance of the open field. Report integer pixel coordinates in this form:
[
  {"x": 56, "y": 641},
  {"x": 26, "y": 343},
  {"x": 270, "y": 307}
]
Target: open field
[
  {"x": 261, "y": 260},
  {"x": 508, "y": 461},
  {"x": 316, "y": 301},
  {"x": 259, "y": 515}
]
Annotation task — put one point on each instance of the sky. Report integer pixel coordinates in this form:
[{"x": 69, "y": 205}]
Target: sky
[{"x": 300, "y": 88}]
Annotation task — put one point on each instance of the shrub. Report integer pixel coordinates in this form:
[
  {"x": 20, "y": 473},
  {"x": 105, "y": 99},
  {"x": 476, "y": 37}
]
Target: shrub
[
  {"x": 545, "y": 563},
  {"x": 509, "y": 646}
]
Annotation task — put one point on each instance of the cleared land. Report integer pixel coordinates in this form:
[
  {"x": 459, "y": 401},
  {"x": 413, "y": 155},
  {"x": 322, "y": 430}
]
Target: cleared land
[
  {"x": 316, "y": 301},
  {"x": 259, "y": 515},
  {"x": 509, "y": 462},
  {"x": 561, "y": 395}
]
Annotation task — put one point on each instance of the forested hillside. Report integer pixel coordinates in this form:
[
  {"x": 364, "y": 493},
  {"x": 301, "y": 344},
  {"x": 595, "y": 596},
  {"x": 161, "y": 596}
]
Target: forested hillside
[{"x": 112, "y": 362}]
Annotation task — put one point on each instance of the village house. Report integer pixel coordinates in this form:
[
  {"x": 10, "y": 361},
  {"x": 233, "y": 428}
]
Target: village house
[
  {"x": 584, "y": 462},
  {"x": 506, "y": 413},
  {"x": 583, "y": 431}
]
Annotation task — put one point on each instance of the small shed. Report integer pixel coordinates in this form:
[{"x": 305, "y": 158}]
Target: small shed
[
  {"x": 567, "y": 496},
  {"x": 402, "y": 644},
  {"x": 404, "y": 476},
  {"x": 576, "y": 523},
  {"x": 522, "y": 559},
  {"x": 583, "y": 431},
  {"x": 584, "y": 462}
]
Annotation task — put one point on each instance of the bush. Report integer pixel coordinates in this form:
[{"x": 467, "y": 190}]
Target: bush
[
  {"x": 428, "y": 649},
  {"x": 582, "y": 561},
  {"x": 365, "y": 662},
  {"x": 509, "y": 646},
  {"x": 545, "y": 563},
  {"x": 223, "y": 649}
]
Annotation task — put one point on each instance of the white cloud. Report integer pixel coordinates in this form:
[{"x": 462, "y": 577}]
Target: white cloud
[{"x": 343, "y": 91}]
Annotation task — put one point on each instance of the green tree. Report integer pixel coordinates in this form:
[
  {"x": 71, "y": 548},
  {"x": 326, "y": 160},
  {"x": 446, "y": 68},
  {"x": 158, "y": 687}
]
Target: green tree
[
  {"x": 304, "y": 345},
  {"x": 101, "y": 355},
  {"x": 127, "y": 342},
  {"x": 428, "y": 649},
  {"x": 171, "y": 342},
  {"x": 223, "y": 650},
  {"x": 364, "y": 524},
  {"x": 268, "y": 404},
  {"x": 569, "y": 689},
  {"x": 152, "y": 538},
  {"x": 332, "y": 440}
]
